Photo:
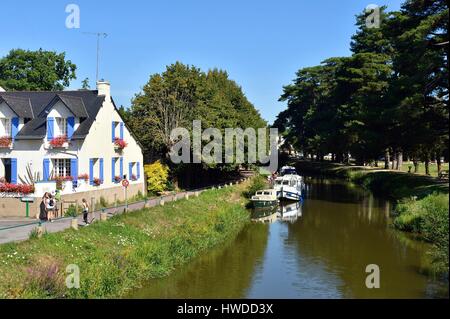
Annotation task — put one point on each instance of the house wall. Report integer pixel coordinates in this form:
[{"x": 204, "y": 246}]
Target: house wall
[{"x": 98, "y": 144}]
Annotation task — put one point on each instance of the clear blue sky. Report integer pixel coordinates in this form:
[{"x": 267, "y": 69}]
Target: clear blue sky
[{"x": 260, "y": 43}]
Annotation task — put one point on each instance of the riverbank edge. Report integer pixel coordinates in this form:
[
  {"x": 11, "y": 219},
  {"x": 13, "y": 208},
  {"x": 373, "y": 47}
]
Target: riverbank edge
[
  {"x": 123, "y": 252},
  {"x": 421, "y": 201}
]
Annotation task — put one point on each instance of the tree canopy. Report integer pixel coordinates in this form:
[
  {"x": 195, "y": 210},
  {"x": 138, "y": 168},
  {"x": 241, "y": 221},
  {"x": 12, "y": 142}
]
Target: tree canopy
[
  {"x": 24, "y": 70},
  {"x": 388, "y": 98},
  {"x": 181, "y": 94}
]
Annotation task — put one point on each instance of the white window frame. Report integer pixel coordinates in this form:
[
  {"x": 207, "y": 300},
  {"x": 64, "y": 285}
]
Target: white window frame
[
  {"x": 61, "y": 123},
  {"x": 6, "y": 126},
  {"x": 61, "y": 167}
]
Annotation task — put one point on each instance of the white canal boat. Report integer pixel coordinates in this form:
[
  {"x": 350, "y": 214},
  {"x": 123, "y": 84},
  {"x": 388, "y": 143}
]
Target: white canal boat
[
  {"x": 289, "y": 187},
  {"x": 264, "y": 198}
]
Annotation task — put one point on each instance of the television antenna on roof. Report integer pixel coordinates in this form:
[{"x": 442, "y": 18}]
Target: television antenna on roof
[{"x": 99, "y": 35}]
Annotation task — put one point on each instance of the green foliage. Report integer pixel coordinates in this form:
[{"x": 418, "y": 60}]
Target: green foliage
[
  {"x": 123, "y": 251},
  {"x": 390, "y": 95},
  {"x": 185, "y": 93},
  {"x": 429, "y": 218},
  {"x": 23, "y": 70},
  {"x": 157, "y": 177},
  {"x": 72, "y": 211},
  {"x": 258, "y": 182}
]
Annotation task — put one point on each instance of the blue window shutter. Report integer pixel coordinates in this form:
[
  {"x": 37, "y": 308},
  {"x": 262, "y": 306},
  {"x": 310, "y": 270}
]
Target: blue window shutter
[
  {"x": 13, "y": 170},
  {"x": 101, "y": 170},
  {"x": 113, "y": 131},
  {"x": 130, "y": 170},
  {"x": 46, "y": 170},
  {"x": 74, "y": 171},
  {"x": 121, "y": 167},
  {"x": 91, "y": 171},
  {"x": 70, "y": 126},
  {"x": 14, "y": 127},
  {"x": 138, "y": 172},
  {"x": 113, "y": 173},
  {"x": 74, "y": 168},
  {"x": 121, "y": 130},
  {"x": 50, "y": 128}
]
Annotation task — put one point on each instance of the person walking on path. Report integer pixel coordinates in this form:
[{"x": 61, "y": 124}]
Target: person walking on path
[
  {"x": 85, "y": 211},
  {"x": 43, "y": 213}
]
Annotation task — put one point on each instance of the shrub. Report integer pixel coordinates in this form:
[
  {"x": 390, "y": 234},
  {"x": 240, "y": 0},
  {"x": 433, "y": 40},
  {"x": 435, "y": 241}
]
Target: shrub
[
  {"x": 71, "y": 211},
  {"x": 428, "y": 217},
  {"x": 157, "y": 177},
  {"x": 258, "y": 182}
]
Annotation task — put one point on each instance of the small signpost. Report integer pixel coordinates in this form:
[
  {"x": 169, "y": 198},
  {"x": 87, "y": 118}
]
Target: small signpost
[
  {"x": 27, "y": 201},
  {"x": 125, "y": 184}
]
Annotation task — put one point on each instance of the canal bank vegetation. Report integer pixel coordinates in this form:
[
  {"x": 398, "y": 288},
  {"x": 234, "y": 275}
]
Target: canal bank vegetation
[
  {"x": 124, "y": 251},
  {"x": 423, "y": 201}
]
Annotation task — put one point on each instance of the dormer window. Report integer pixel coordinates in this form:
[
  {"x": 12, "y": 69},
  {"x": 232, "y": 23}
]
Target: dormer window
[{"x": 61, "y": 125}]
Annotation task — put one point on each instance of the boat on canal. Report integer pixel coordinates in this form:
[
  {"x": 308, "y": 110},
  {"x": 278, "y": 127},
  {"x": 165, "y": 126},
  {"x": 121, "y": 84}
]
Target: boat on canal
[
  {"x": 289, "y": 187},
  {"x": 265, "y": 198}
]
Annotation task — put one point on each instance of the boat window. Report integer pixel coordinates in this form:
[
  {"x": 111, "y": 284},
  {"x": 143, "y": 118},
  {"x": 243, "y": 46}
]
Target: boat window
[
  {"x": 258, "y": 193},
  {"x": 285, "y": 182},
  {"x": 278, "y": 182},
  {"x": 266, "y": 193}
]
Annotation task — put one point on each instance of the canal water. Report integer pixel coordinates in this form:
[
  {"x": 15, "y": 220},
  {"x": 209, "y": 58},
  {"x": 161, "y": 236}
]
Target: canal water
[{"x": 317, "y": 249}]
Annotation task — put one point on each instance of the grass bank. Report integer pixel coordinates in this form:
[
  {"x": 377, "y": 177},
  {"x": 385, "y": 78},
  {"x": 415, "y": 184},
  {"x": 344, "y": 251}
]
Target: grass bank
[
  {"x": 423, "y": 201},
  {"x": 124, "y": 251}
]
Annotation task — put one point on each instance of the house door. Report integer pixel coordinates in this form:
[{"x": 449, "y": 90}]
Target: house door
[{"x": 7, "y": 166}]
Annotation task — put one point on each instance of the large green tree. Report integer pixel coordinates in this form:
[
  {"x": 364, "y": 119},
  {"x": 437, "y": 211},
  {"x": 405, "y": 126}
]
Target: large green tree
[{"x": 35, "y": 70}]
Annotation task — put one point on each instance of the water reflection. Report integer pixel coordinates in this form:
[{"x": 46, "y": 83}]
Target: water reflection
[
  {"x": 287, "y": 212},
  {"x": 318, "y": 249}
]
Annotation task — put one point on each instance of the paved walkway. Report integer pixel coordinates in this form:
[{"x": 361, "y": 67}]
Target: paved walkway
[{"x": 19, "y": 229}]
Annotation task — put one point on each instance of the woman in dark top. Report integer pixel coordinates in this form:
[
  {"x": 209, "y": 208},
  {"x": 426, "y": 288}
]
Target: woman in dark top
[{"x": 43, "y": 209}]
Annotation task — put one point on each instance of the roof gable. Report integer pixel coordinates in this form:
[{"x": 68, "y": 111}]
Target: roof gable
[
  {"x": 73, "y": 103},
  {"x": 20, "y": 106}
]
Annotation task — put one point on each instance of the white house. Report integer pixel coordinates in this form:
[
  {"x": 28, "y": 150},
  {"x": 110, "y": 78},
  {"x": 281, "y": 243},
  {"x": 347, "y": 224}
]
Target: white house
[{"x": 76, "y": 137}]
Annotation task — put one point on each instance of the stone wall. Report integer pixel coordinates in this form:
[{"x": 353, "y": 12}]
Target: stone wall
[{"x": 13, "y": 207}]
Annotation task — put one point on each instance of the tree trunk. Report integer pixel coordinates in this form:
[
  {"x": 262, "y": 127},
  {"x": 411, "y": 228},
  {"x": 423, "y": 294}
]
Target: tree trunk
[
  {"x": 438, "y": 162},
  {"x": 386, "y": 159},
  {"x": 416, "y": 165},
  {"x": 399, "y": 160},
  {"x": 427, "y": 164},
  {"x": 394, "y": 162}
]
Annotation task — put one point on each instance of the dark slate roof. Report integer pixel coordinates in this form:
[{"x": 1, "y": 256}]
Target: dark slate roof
[
  {"x": 73, "y": 103},
  {"x": 20, "y": 106},
  {"x": 84, "y": 104}
]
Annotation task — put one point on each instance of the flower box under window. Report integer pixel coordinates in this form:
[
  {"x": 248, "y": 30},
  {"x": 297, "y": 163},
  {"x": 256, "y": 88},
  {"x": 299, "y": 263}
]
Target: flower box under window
[
  {"x": 59, "y": 142},
  {"x": 117, "y": 179},
  {"x": 119, "y": 144},
  {"x": 97, "y": 181},
  {"x": 134, "y": 178},
  {"x": 21, "y": 189},
  {"x": 5, "y": 142}
]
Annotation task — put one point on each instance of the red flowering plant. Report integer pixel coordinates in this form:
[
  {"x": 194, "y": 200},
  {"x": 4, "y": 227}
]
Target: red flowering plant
[
  {"x": 133, "y": 177},
  {"x": 84, "y": 177},
  {"x": 120, "y": 143},
  {"x": 60, "y": 179},
  {"x": 5, "y": 141},
  {"x": 58, "y": 141},
  {"x": 117, "y": 179},
  {"x": 16, "y": 188},
  {"x": 97, "y": 181}
]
